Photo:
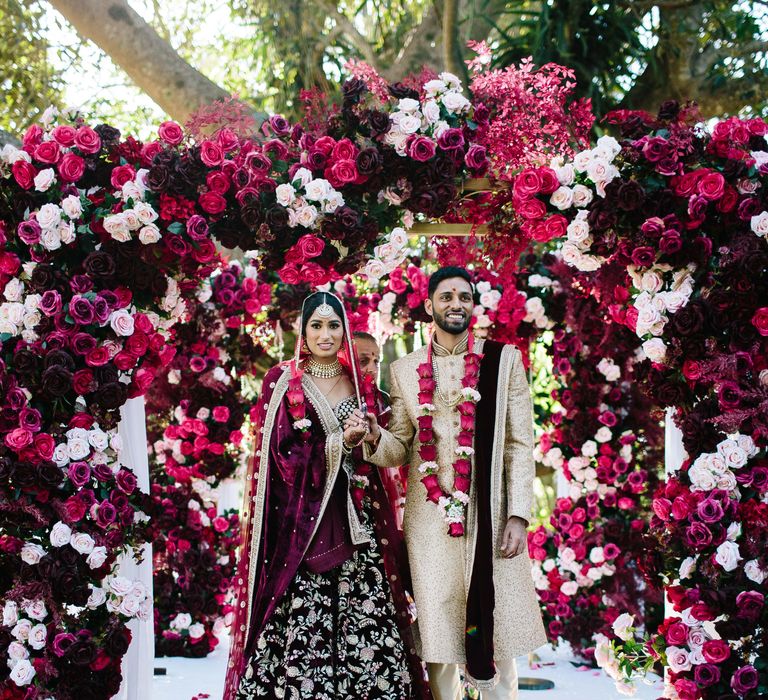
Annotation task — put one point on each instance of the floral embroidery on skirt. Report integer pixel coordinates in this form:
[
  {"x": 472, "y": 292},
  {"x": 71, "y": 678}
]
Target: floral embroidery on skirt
[{"x": 333, "y": 637}]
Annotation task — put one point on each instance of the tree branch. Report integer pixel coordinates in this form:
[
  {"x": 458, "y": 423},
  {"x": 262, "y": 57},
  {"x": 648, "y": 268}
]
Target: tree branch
[
  {"x": 451, "y": 50},
  {"x": 417, "y": 48},
  {"x": 136, "y": 47},
  {"x": 356, "y": 38}
]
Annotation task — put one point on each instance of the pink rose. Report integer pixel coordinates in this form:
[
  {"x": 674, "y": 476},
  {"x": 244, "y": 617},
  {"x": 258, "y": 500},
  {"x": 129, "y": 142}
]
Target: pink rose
[
  {"x": 71, "y": 167},
  {"x": 171, "y": 133},
  {"x": 310, "y": 246},
  {"x": 211, "y": 153},
  {"x": 716, "y": 651},
  {"x": 48, "y": 152},
  {"x": 531, "y": 208},
  {"x": 87, "y": 140},
  {"x": 220, "y": 414},
  {"x": 227, "y": 139},
  {"x": 122, "y": 174},
  {"x": 64, "y": 135},
  {"x": 24, "y": 173},
  {"x": 315, "y": 274},
  {"x": 325, "y": 145},
  {"x": 342, "y": 172},
  {"x": 344, "y": 150},
  {"x": 527, "y": 183},
  {"x": 760, "y": 320},
  {"x": 217, "y": 182},
  {"x": 421, "y": 148},
  {"x": 289, "y": 273},
  {"x": 712, "y": 186},
  {"x": 32, "y": 137},
  {"x": 18, "y": 439}
]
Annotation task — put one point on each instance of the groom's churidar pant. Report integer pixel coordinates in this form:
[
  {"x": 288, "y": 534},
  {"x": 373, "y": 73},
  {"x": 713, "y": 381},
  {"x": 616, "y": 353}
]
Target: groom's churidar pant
[{"x": 446, "y": 685}]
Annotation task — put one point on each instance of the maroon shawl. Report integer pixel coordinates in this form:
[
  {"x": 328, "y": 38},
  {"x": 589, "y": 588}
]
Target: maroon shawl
[{"x": 293, "y": 494}]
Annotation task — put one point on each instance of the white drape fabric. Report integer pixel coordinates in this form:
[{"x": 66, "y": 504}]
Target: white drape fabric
[
  {"x": 139, "y": 661},
  {"x": 674, "y": 452}
]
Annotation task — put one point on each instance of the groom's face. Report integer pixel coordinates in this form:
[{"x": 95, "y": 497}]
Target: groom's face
[{"x": 451, "y": 305}]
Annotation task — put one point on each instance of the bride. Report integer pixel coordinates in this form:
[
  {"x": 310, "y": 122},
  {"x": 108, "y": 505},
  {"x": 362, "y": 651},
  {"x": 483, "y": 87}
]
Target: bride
[{"x": 321, "y": 608}]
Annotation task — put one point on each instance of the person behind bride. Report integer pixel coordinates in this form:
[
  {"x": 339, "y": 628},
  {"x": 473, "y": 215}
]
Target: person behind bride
[{"x": 321, "y": 610}]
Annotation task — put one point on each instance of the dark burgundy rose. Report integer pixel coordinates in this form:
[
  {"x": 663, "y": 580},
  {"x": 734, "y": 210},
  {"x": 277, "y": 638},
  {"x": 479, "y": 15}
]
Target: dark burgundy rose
[
  {"x": 316, "y": 159},
  {"x": 451, "y": 139},
  {"x": 59, "y": 357},
  {"x": 443, "y": 168},
  {"x": 760, "y": 479},
  {"x": 83, "y": 343},
  {"x": 126, "y": 481},
  {"x": 729, "y": 394},
  {"x": 670, "y": 243},
  {"x": 669, "y": 111},
  {"x": 630, "y": 195},
  {"x": 424, "y": 202},
  {"x": 749, "y": 207},
  {"x": 112, "y": 395},
  {"x": 109, "y": 135},
  {"x": 110, "y": 298},
  {"x": 81, "y": 310},
  {"x": 352, "y": 90},
  {"x": 744, "y": 680},
  {"x": 707, "y": 675},
  {"x": 49, "y": 475},
  {"x": 401, "y": 91},
  {"x": 82, "y": 653},
  {"x": 106, "y": 513},
  {"x": 277, "y": 218},
  {"x": 670, "y": 393},
  {"x": 100, "y": 310},
  {"x": 81, "y": 284},
  {"x": 710, "y": 510},
  {"x": 177, "y": 245},
  {"x": 116, "y": 642},
  {"x": 749, "y": 605},
  {"x": 99, "y": 264},
  {"x": 379, "y": 122},
  {"x": 56, "y": 381},
  {"x": 42, "y": 278},
  {"x": 25, "y": 362},
  {"x": 103, "y": 473},
  {"x": 159, "y": 177},
  {"x": 689, "y": 320},
  {"x": 368, "y": 161},
  {"x": 698, "y": 536}
]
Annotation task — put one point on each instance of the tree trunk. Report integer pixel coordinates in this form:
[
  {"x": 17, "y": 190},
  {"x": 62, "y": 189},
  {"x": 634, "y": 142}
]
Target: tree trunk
[{"x": 150, "y": 61}]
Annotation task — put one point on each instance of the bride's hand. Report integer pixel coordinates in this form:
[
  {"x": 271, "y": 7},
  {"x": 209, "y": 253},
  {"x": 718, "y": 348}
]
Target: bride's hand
[{"x": 355, "y": 428}]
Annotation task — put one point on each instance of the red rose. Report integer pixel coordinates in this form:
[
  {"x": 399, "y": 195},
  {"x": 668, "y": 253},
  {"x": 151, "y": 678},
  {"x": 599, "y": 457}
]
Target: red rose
[
  {"x": 48, "y": 152},
  {"x": 64, "y": 135},
  {"x": 83, "y": 382},
  {"x": 692, "y": 370},
  {"x": 138, "y": 343},
  {"x": 315, "y": 274},
  {"x": 18, "y": 438},
  {"x": 676, "y": 634},
  {"x": 149, "y": 151},
  {"x": 716, "y": 651},
  {"x": 205, "y": 251},
  {"x": 97, "y": 357},
  {"x": 122, "y": 174},
  {"x": 711, "y": 186},
  {"x": 171, "y": 133},
  {"x": 325, "y": 145},
  {"x": 75, "y": 509},
  {"x": 728, "y": 201},
  {"x": 125, "y": 360},
  {"x": 217, "y": 182},
  {"x": 760, "y": 320},
  {"x": 289, "y": 273},
  {"x": 549, "y": 181},
  {"x": 554, "y": 227},
  {"x": 32, "y": 137},
  {"x": 71, "y": 167},
  {"x": 141, "y": 322},
  {"x": 342, "y": 172},
  {"x": 81, "y": 420},
  {"x": 24, "y": 173},
  {"x": 685, "y": 185},
  {"x": 236, "y": 437},
  {"x": 220, "y": 414},
  {"x": 212, "y": 203},
  {"x": 87, "y": 140},
  {"x": 211, "y": 153},
  {"x": 428, "y": 453},
  {"x": 461, "y": 483},
  {"x": 227, "y": 139},
  {"x": 344, "y": 150},
  {"x": 45, "y": 444},
  {"x": 310, "y": 246}
]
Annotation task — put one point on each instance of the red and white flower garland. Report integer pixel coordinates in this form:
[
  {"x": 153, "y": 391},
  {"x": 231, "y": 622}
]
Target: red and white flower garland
[{"x": 453, "y": 505}]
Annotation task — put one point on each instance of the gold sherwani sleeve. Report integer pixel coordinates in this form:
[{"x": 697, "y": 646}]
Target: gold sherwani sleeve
[
  {"x": 394, "y": 446},
  {"x": 519, "y": 466}
]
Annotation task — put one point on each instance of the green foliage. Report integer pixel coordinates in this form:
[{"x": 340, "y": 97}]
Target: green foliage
[{"x": 28, "y": 83}]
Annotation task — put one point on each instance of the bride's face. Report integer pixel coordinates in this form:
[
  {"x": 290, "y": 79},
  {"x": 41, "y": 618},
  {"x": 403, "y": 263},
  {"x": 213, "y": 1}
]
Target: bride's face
[{"x": 324, "y": 335}]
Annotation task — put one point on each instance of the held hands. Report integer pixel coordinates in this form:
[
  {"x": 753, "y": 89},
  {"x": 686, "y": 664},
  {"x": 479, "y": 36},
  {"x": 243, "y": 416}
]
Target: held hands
[
  {"x": 514, "y": 540},
  {"x": 355, "y": 429}
]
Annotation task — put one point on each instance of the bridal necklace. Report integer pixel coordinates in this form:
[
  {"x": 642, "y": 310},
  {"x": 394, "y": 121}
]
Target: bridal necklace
[{"x": 322, "y": 370}]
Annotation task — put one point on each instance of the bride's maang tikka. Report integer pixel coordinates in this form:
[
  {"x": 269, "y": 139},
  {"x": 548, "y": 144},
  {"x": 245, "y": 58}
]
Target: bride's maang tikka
[{"x": 325, "y": 310}]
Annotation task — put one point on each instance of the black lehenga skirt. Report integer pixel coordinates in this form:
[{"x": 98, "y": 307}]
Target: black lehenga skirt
[{"x": 333, "y": 637}]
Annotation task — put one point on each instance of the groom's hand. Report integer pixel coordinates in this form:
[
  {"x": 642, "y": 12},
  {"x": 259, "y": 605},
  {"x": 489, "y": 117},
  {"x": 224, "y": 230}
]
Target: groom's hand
[
  {"x": 515, "y": 539},
  {"x": 374, "y": 431}
]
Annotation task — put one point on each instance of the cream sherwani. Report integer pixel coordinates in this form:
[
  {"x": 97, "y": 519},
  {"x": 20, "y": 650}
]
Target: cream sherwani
[{"x": 440, "y": 564}]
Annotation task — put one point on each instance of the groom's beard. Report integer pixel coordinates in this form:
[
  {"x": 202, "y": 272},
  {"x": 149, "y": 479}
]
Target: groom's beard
[{"x": 449, "y": 325}]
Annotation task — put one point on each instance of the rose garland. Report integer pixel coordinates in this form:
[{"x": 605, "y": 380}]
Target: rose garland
[
  {"x": 296, "y": 403},
  {"x": 454, "y": 505}
]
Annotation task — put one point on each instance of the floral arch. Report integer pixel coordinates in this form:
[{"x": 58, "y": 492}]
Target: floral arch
[{"x": 636, "y": 267}]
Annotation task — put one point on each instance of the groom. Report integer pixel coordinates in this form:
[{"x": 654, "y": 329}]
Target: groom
[{"x": 461, "y": 416}]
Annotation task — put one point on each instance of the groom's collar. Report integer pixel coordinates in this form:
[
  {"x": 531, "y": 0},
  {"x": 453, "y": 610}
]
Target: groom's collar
[{"x": 459, "y": 349}]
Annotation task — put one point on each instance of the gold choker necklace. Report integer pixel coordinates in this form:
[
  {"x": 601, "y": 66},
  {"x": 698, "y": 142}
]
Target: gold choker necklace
[{"x": 323, "y": 371}]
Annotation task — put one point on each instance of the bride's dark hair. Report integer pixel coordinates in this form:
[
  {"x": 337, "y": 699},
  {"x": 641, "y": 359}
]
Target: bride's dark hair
[{"x": 315, "y": 300}]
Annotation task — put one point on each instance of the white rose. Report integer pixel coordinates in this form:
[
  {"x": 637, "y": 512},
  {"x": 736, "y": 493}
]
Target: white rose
[
  {"x": 582, "y": 196},
  {"x": 687, "y": 567},
  {"x": 333, "y": 201},
  {"x": 131, "y": 190},
  {"x": 622, "y": 626},
  {"x": 285, "y": 194},
  {"x": 120, "y": 585},
  {"x": 596, "y": 555},
  {"x": 181, "y": 622},
  {"x": 603, "y": 434},
  {"x": 561, "y": 198},
  {"x": 651, "y": 282},
  {"x": 129, "y": 606},
  {"x": 434, "y": 87},
  {"x": 22, "y": 673},
  {"x": 50, "y": 239},
  {"x": 450, "y": 80},
  {"x": 61, "y": 455},
  {"x": 67, "y": 232},
  {"x": 655, "y": 349},
  {"x": 78, "y": 449},
  {"x": 673, "y": 301},
  {"x": 490, "y": 300},
  {"x": 702, "y": 479},
  {"x": 37, "y": 636},
  {"x": 16, "y": 652},
  {"x": 98, "y": 439},
  {"x": 398, "y": 237},
  {"x": 97, "y": 557},
  {"x": 49, "y": 215},
  {"x": 10, "y": 613},
  {"x": 409, "y": 124},
  {"x": 306, "y": 216},
  {"x": 732, "y": 454},
  {"x": 317, "y": 190},
  {"x": 44, "y": 179},
  {"x": 72, "y": 206},
  {"x": 759, "y": 224},
  {"x": 578, "y": 231},
  {"x": 131, "y": 219},
  {"x": 754, "y": 572},
  {"x": 61, "y": 534},
  {"x": 97, "y": 597},
  {"x": 697, "y": 637},
  {"x": 21, "y": 630},
  {"x": 36, "y": 610},
  {"x": 117, "y": 227},
  {"x": 565, "y": 173},
  {"x": 455, "y": 102},
  {"x": 121, "y": 322},
  {"x": 728, "y": 555},
  {"x": 408, "y": 104},
  {"x": 144, "y": 212},
  {"x": 581, "y": 160},
  {"x": 678, "y": 660},
  {"x": 608, "y": 147},
  {"x": 149, "y": 234},
  {"x": 569, "y": 588},
  {"x": 82, "y": 543},
  {"x": 431, "y": 111},
  {"x": 303, "y": 176},
  {"x": 727, "y": 481},
  {"x": 374, "y": 269},
  {"x": 747, "y": 444},
  {"x": 196, "y": 631},
  {"x": 14, "y": 289}
]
